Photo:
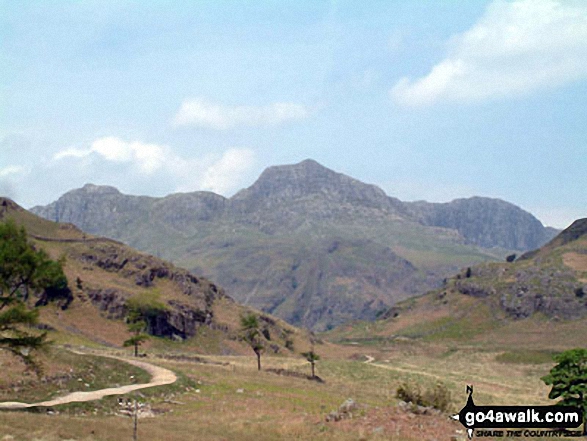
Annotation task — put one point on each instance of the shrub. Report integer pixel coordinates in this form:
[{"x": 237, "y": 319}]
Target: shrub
[
  {"x": 409, "y": 393},
  {"x": 438, "y": 397}
]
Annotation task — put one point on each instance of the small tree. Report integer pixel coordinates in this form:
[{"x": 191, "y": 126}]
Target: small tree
[
  {"x": 24, "y": 271},
  {"x": 312, "y": 357},
  {"x": 569, "y": 380},
  {"x": 252, "y": 335},
  {"x": 137, "y": 326}
]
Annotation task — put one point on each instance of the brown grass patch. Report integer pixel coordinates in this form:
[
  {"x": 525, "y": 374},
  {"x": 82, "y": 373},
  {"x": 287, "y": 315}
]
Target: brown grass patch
[{"x": 576, "y": 261}]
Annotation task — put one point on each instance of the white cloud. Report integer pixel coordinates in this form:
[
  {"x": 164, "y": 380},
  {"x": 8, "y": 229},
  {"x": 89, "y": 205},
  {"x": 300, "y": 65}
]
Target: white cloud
[
  {"x": 71, "y": 152},
  {"x": 147, "y": 157},
  {"x": 515, "y": 48},
  {"x": 214, "y": 116},
  {"x": 157, "y": 165},
  {"x": 225, "y": 174},
  {"x": 11, "y": 170}
]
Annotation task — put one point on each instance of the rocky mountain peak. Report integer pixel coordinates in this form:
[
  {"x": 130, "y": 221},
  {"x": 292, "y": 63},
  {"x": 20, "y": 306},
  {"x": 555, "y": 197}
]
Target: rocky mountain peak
[
  {"x": 98, "y": 189},
  {"x": 310, "y": 180}
]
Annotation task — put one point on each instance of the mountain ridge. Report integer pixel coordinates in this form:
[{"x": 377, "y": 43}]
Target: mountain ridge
[
  {"x": 278, "y": 185},
  {"x": 304, "y": 242}
]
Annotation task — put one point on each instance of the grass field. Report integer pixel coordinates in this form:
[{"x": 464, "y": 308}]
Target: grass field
[{"x": 226, "y": 398}]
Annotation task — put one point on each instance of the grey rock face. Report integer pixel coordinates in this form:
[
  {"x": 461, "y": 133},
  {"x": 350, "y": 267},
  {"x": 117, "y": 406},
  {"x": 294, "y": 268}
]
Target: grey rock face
[{"x": 486, "y": 222}]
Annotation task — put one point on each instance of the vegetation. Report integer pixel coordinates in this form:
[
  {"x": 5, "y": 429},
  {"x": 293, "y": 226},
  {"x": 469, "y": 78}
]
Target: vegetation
[
  {"x": 525, "y": 356},
  {"x": 312, "y": 357},
  {"x": 24, "y": 271},
  {"x": 436, "y": 344},
  {"x": 438, "y": 397},
  {"x": 569, "y": 380},
  {"x": 137, "y": 326},
  {"x": 144, "y": 309},
  {"x": 252, "y": 335}
]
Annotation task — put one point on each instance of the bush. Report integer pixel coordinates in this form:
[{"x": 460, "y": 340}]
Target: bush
[
  {"x": 409, "y": 393},
  {"x": 438, "y": 397}
]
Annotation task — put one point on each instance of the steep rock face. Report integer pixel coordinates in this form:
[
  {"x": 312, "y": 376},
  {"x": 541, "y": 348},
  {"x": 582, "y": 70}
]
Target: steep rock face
[
  {"x": 279, "y": 184},
  {"x": 183, "y": 209},
  {"x": 285, "y": 198},
  {"x": 486, "y": 222},
  {"x": 321, "y": 284}
]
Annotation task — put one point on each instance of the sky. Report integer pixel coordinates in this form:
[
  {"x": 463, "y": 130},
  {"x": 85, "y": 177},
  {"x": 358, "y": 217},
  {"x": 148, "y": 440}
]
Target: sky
[{"x": 429, "y": 100}]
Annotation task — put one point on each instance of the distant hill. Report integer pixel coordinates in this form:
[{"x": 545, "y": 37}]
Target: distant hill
[
  {"x": 103, "y": 275},
  {"x": 538, "y": 299},
  {"x": 310, "y": 245}
]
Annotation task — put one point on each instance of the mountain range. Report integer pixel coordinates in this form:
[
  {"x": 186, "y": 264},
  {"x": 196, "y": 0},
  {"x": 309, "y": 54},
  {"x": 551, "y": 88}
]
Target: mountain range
[
  {"x": 307, "y": 244},
  {"x": 539, "y": 300}
]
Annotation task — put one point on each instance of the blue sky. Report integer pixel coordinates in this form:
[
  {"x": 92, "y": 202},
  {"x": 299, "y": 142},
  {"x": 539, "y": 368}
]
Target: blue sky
[{"x": 430, "y": 100}]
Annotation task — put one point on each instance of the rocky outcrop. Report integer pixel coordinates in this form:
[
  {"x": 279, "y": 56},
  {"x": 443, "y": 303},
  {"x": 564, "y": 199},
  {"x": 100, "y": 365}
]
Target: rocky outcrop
[
  {"x": 538, "y": 282},
  {"x": 178, "y": 318}
]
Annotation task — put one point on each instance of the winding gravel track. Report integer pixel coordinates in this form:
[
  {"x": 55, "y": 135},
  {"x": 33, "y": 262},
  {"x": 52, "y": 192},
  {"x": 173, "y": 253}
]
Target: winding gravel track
[{"x": 159, "y": 376}]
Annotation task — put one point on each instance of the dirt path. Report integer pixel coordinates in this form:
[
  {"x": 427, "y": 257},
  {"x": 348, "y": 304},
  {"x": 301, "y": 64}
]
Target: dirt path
[{"x": 159, "y": 376}]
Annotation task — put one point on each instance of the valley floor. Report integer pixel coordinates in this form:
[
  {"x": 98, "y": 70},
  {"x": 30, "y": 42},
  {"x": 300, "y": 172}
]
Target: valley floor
[{"x": 226, "y": 398}]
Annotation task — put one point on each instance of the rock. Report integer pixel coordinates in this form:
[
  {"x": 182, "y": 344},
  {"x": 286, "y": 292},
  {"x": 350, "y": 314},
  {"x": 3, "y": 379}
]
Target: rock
[
  {"x": 348, "y": 406},
  {"x": 333, "y": 416},
  {"x": 345, "y": 411},
  {"x": 240, "y": 391}
]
